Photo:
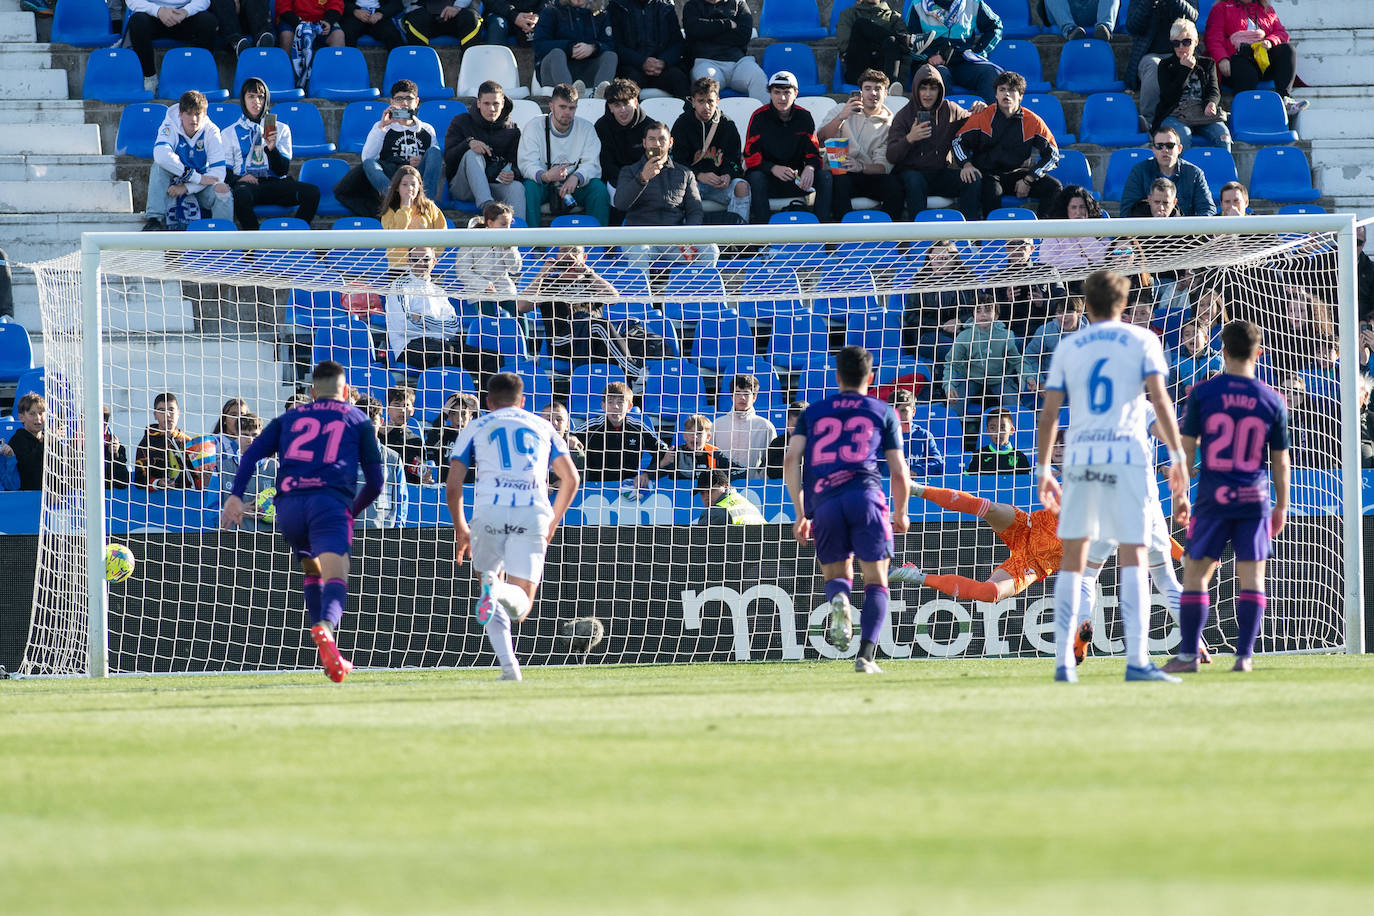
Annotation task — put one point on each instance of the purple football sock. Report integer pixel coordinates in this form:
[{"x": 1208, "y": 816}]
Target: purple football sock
[
  {"x": 1249, "y": 612},
  {"x": 313, "y": 599},
  {"x": 335, "y": 595},
  {"x": 1192, "y": 617},
  {"x": 874, "y": 612},
  {"x": 835, "y": 587}
]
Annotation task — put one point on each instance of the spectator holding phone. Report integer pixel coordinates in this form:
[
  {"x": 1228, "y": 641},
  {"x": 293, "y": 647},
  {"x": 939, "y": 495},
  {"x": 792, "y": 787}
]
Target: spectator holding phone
[
  {"x": 865, "y": 121},
  {"x": 920, "y": 142},
  {"x": 400, "y": 138},
  {"x": 258, "y": 153},
  {"x": 656, "y": 191}
]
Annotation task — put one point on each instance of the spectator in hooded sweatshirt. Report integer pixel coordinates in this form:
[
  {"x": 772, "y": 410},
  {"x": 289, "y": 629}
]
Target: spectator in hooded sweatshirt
[
  {"x": 921, "y": 140},
  {"x": 258, "y": 156},
  {"x": 481, "y": 147},
  {"x": 188, "y": 159},
  {"x": 718, "y": 34}
]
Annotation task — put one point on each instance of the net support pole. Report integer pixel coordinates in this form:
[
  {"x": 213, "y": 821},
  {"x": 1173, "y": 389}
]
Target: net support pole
[
  {"x": 98, "y": 661},
  {"x": 1347, "y": 299}
]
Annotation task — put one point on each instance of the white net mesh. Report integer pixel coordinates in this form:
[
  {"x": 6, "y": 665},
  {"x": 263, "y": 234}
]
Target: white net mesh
[{"x": 235, "y": 331}]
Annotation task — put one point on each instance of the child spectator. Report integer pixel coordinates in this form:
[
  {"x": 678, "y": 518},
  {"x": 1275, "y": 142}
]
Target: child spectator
[
  {"x": 391, "y": 509},
  {"x": 696, "y": 452},
  {"x": 161, "y": 461},
  {"x": 1194, "y": 360},
  {"x": 403, "y": 433},
  {"x": 616, "y": 442},
  {"x": 399, "y": 139},
  {"x": 248, "y": 427},
  {"x": 772, "y": 459},
  {"x": 997, "y": 455},
  {"x": 488, "y": 274},
  {"x": 923, "y": 455},
  {"x": 742, "y": 434},
  {"x": 984, "y": 363},
  {"x": 459, "y": 410},
  {"x": 936, "y": 313},
  {"x": 27, "y": 442},
  {"x": 556, "y": 412}
]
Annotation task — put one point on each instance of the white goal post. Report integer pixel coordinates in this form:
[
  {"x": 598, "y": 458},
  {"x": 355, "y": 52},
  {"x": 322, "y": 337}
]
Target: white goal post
[{"x": 209, "y": 315}]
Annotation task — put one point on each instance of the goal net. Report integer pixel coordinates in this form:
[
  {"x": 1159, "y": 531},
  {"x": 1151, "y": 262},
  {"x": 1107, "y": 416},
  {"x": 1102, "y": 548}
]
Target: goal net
[{"x": 187, "y": 343}]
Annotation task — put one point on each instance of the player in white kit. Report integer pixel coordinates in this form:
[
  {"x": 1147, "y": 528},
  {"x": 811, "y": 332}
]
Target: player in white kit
[
  {"x": 512, "y": 518},
  {"x": 1108, "y": 463}
]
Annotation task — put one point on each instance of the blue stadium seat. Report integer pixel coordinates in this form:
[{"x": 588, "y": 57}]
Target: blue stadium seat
[
  {"x": 1118, "y": 168},
  {"x": 795, "y": 254},
  {"x": 498, "y": 334},
  {"x": 31, "y": 382},
  {"x": 1073, "y": 168},
  {"x": 16, "y": 351},
  {"x": 189, "y": 68},
  {"x": 587, "y": 383},
  {"x": 434, "y": 385},
  {"x": 1110, "y": 119},
  {"x": 273, "y": 67},
  {"x": 358, "y": 120},
  {"x": 1024, "y": 58},
  {"x": 307, "y": 128},
  {"x": 939, "y": 215},
  {"x": 314, "y": 309},
  {"x": 1282, "y": 174},
  {"x": 1012, "y": 213},
  {"x": 866, "y": 216},
  {"x": 1203, "y": 8},
  {"x": 420, "y": 65},
  {"x": 844, "y": 288},
  {"x": 1259, "y": 117},
  {"x": 211, "y": 225},
  {"x": 83, "y": 23},
  {"x": 1301, "y": 209},
  {"x": 722, "y": 341},
  {"x": 138, "y": 126},
  {"x": 223, "y": 114},
  {"x": 356, "y": 222},
  {"x": 693, "y": 292},
  {"x": 839, "y": 6},
  {"x": 114, "y": 75},
  {"x": 965, "y": 100},
  {"x": 539, "y": 390},
  {"x": 1087, "y": 66},
  {"x": 771, "y": 397},
  {"x": 1217, "y": 165},
  {"x": 799, "y": 59},
  {"x": 799, "y": 341},
  {"x": 438, "y": 113},
  {"x": 349, "y": 343},
  {"x": 1015, "y": 16},
  {"x": 837, "y": 83},
  {"x": 340, "y": 74},
  {"x": 768, "y": 292},
  {"x": 324, "y": 174},
  {"x": 673, "y": 389},
  {"x": 574, "y": 221},
  {"x": 814, "y": 383},
  {"x": 791, "y": 20},
  {"x": 880, "y": 333},
  {"x": 282, "y": 223},
  {"x": 1051, "y": 111}
]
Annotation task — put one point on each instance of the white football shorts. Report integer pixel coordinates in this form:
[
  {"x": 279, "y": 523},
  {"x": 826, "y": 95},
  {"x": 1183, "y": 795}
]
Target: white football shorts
[
  {"x": 1105, "y": 502},
  {"x": 510, "y": 540},
  {"x": 1157, "y": 540}
]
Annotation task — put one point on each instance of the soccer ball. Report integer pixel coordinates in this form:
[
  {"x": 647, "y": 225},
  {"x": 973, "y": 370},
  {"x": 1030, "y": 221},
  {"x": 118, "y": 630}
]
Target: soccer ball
[
  {"x": 266, "y": 505},
  {"x": 119, "y": 562}
]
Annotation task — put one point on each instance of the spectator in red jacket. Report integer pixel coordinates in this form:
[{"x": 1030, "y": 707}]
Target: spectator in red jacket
[
  {"x": 1249, "y": 44},
  {"x": 328, "y": 13},
  {"x": 782, "y": 157}
]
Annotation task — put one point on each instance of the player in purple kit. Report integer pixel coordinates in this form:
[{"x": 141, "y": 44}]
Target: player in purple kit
[
  {"x": 1234, "y": 416},
  {"x": 322, "y": 444},
  {"x": 840, "y": 439}
]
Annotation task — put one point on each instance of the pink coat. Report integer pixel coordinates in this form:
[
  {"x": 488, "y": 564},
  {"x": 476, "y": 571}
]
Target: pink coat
[{"x": 1228, "y": 17}]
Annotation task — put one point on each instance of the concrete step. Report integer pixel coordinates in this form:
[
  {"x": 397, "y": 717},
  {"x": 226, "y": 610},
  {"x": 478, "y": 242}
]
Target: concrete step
[
  {"x": 1333, "y": 57},
  {"x": 21, "y": 55},
  {"x": 1344, "y": 168},
  {"x": 17, "y": 26},
  {"x": 52, "y": 139},
  {"x": 1330, "y": 14},
  {"x": 40, "y": 170},
  {"x": 33, "y": 84},
  {"x": 49, "y": 112},
  {"x": 42, "y": 237},
  {"x": 66, "y": 196}
]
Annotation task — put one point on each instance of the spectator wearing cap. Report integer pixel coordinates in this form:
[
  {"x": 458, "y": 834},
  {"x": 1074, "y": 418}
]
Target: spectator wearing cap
[
  {"x": 993, "y": 147},
  {"x": 1194, "y": 198},
  {"x": 724, "y": 504},
  {"x": 718, "y": 34},
  {"x": 782, "y": 157},
  {"x": 865, "y": 122}
]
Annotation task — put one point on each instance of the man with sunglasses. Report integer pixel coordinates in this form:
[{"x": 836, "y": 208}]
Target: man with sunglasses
[{"x": 1194, "y": 197}]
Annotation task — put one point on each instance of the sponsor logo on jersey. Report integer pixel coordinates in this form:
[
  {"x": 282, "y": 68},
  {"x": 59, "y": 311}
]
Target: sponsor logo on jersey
[
  {"x": 1090, "y": 476},
  {"x": 505, "y": 529}
]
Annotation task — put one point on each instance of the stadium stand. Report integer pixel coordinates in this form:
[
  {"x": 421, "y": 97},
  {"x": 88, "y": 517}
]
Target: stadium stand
[
  {"x": 307, "y": 128},
  {"x": 189, "y": 68},
  {"x": 273, "y": 67},
  {"x": 113, "y": 75}
]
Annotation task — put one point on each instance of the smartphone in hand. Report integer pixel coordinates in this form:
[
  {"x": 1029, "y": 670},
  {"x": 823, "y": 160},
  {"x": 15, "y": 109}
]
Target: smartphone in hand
[{"x": 269, "y": 126}]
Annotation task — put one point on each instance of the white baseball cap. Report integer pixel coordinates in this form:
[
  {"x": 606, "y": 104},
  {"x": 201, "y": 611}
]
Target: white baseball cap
[{"x": 784, "y": 78}]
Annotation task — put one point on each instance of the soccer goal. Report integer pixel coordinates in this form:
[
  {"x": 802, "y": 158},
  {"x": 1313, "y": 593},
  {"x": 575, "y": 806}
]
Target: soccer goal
[{"x": 229, "y": 324}]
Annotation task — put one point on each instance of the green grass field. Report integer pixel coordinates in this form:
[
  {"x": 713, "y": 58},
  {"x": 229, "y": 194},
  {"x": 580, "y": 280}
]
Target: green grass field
[{"x": 941, "y": 787}]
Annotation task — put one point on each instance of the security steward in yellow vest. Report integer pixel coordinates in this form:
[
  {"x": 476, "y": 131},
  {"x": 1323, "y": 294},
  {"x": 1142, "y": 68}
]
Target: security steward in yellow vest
[{"x": 724, "y": 504}]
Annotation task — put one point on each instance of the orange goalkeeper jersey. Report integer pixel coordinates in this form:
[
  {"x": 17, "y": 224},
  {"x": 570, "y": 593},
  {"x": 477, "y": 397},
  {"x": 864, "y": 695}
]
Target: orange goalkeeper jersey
[{"x": 1036, "y": 550}]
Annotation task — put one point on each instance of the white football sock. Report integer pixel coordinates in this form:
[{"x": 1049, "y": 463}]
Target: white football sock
[
  {"x": 1135, "y": 615},
  {"x": 1089, "y": 593},
  {"x": 514, "y": 600},
  {"x": 1167, "y": 584},
  {"x": 498, "y": 634},
  {"x": 1068, "y": 594}
]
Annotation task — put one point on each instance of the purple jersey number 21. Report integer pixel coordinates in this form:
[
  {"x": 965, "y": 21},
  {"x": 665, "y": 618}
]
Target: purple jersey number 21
[
  {"x": 856, "y": 449},
  {"x": 308, "y": 429}
]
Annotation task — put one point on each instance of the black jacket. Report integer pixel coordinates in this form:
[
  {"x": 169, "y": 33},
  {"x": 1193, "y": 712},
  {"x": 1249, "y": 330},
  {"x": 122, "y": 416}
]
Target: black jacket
[
  {"x": 645, "y": 28},
  {"x": 772, "y": 141},
  {"x": 717, "y": 31},
  {"x": 564, "y": 26},
  {"x": 28, "y": 455},
  {"x": 725, "y": 155},
  {"x": 1364, "y": 279},
  {"x": 501, "y": 135},
  {"x": 1149, "y": 21},
  {"x": 992, "y": 460},
  {"x": 671, "y": 198},
  {"x": 620, "y": 146},
  {"x": 1173, "y": 77}
]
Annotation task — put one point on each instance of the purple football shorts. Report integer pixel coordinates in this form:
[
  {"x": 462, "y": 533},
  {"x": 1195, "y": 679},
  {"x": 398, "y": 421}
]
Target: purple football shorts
[
  {"x": 1207, "y": 537},
  {"x": 856, "y": 523},
  {"x": 314, "y": 524}
]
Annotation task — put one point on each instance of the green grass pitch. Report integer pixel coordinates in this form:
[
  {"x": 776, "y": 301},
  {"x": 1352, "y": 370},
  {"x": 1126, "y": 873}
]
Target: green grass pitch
[{"x": 940, "y": 787}]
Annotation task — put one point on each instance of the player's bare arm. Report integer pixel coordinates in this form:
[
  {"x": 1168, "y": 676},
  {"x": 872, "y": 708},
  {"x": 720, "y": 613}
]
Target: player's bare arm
[
  {"x": 792, "y": 476},
  {"x": 568, "y": 482},
  {"x": 1046, "y": 431},
  {"x": 1281, "y": 468},
  {"x": 901, "y": 489},
  {"x": 453, "y": 495},
  {"x": 1167, "y": 426}
]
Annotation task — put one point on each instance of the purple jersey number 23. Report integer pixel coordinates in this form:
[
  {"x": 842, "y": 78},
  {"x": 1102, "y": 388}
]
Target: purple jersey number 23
[{"x": 829, "y": 429}]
